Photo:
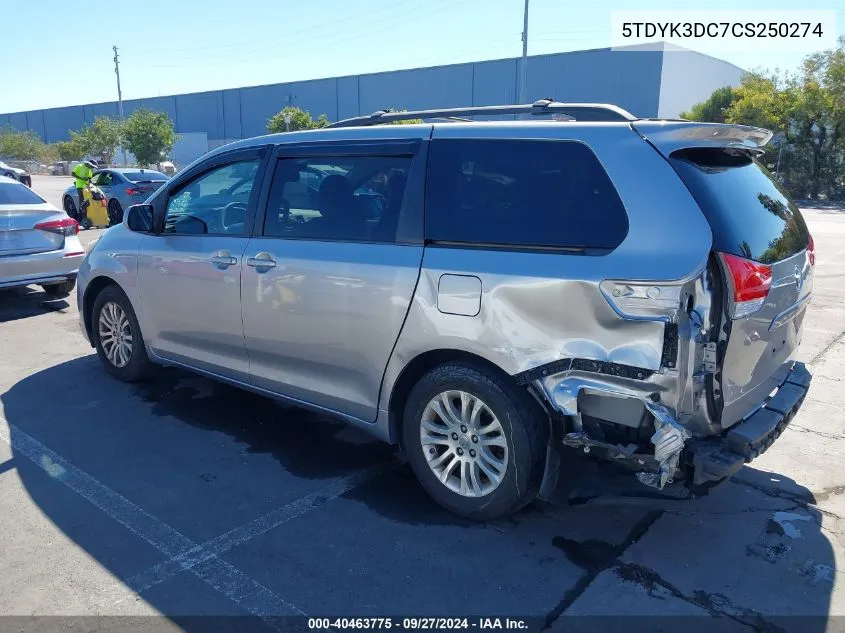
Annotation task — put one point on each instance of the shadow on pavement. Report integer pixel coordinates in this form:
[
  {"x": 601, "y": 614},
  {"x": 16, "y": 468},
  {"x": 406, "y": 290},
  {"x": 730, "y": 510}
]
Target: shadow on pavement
[
  {"x": 206, "y": 458},
  {"x": 22, "y": 303}
]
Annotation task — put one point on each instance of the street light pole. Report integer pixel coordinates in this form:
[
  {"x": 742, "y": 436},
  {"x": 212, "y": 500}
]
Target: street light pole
[{"x": 523, "y": 66}]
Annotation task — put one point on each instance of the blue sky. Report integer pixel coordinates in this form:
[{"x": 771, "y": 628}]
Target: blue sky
[{"x": 174, "y": 46}]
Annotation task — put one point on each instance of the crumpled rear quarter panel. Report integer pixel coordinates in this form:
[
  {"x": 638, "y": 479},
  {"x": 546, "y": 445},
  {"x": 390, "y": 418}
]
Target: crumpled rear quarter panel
[{"x": 538, "y": 307}]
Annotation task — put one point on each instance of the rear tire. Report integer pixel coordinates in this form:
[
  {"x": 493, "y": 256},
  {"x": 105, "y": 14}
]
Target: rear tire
[
  {"x": 496, "y": 433},
  {"x": 61, "y": 289},
  {"x": 117, "y": 336}
]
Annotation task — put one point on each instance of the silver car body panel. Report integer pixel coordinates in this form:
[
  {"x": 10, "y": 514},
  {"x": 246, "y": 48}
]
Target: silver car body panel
[
  {"x": 320, "y": 324},
  {"x": 192, "y": 305},
  {"x": 762, "y": 346}
]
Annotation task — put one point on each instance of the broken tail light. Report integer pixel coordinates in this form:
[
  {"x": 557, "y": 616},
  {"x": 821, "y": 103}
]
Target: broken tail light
[
  {"x": 749, "y": 282},
  {"x": 65, "y": 226}
]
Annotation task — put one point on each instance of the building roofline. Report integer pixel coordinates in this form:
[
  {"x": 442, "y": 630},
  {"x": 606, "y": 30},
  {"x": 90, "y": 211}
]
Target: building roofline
[{"x": 633, "y": 48}]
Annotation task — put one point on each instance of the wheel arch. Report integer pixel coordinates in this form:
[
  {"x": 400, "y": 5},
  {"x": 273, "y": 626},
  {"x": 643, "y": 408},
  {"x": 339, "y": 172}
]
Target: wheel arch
[
  {"x": 417, "y": 367},
  {"x": 92, "y": 290}
]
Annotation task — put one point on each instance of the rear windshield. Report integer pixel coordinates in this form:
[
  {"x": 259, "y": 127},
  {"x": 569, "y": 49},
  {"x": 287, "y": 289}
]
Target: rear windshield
[
  {"x": 521, "y": 193},
  {"x": 15, "y": 193},
  {"x": 748, "y": 211},
  {"x": 141, "y": 176}
]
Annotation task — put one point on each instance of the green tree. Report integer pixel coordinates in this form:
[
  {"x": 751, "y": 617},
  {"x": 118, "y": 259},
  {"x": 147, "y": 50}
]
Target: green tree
[
  {"x": 149, "y": 136},
  {"x": 297, "y": 119},
  {"x": 100, "y": 138},
  {"x": 70, "y": 150},
  {"x": 713, "y": 108},
  {"x": 26, "y": 145},
  {"x": 806, "y": 110}
]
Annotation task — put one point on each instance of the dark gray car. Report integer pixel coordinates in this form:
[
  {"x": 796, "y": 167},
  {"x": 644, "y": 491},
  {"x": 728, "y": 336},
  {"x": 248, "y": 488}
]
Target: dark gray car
[{"x": 482, "y": 293}]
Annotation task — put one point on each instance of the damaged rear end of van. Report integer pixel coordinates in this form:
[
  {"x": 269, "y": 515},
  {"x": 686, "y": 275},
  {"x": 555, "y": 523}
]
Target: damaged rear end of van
[{"x": 728, "y": 380}]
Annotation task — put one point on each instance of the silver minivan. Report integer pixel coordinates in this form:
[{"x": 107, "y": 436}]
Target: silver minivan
[{"x": 484, "y": 293}]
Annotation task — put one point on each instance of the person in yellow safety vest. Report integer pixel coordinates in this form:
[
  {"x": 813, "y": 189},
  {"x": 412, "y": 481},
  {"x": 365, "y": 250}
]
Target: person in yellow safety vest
[{"x": 83, "y": 173}]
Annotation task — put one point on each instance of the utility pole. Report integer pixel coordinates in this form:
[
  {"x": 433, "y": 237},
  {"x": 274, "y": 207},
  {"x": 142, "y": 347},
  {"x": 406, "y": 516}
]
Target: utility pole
[
  {"x": 120, "y": 95},
  {"x": 523, "y": 67}
]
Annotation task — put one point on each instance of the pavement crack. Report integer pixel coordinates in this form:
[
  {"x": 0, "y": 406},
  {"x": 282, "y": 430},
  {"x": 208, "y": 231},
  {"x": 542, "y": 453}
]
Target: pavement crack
[
  {"x": 596, "y": 560},
  {"x": 823, "y": 352},
  {"x": 804, "y": 429},
  {"x": 798, "y": 498},
  {"x": 717, "y": 605},
  {"x": 692, "y": 513}
]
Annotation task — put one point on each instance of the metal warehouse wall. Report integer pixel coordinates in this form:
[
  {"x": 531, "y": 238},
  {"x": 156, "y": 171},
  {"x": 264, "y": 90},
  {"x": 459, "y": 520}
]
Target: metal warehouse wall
[{"x": 628, "y": 78}]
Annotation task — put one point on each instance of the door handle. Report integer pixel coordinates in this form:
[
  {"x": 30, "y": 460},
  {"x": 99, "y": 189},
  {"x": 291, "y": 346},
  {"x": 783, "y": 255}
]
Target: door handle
[
  {"x": 223, "y": 261},
  {"x": 262, "y": 260}
]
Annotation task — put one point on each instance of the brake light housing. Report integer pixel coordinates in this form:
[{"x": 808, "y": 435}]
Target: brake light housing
[
  {"x": 811, "y": 251},
  {"x": 132, "y": 191},
  {"x": 749, "y": 283},
  {"x": 65, "y": 226}
]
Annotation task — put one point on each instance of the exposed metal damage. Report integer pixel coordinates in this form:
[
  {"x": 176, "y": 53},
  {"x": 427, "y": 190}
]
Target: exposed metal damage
[{"x": 634, "y": 416}]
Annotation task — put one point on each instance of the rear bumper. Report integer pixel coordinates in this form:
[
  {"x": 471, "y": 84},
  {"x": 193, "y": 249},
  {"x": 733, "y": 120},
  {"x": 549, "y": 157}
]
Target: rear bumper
[
  {"x": 50, "y": 267},
  {"x": 715, "y": 460}
]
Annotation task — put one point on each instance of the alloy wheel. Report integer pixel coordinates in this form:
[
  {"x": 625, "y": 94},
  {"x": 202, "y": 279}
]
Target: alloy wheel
[
  {"x": 115, "y": 333},
  {"x": 464, "y": 443}
]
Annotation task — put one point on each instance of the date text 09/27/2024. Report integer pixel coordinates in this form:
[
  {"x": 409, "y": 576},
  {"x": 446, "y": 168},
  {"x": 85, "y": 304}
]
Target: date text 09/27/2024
[{"x": 417, "y": 624}]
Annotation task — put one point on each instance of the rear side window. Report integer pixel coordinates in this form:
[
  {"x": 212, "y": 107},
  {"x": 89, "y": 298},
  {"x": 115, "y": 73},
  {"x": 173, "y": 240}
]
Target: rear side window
[
  {"x": 552, "y": 194},
  {"x": 748, "y": 211},
  {"x": 13, "y": 193}
]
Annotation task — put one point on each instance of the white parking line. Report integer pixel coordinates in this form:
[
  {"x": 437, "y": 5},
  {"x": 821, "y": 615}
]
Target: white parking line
[
  {"x": 228, "y": 580},
  {"x": 199, "y": 554}
]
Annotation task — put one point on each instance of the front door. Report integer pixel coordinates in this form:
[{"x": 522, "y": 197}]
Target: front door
[
  {"x": 328, "y": 281},
  {"x": 190, "y": 273}
]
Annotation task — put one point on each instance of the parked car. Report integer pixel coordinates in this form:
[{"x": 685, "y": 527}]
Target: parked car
[
  {"x": 628, "y": 288},
  {"x": 122, "y": 187},
  {"x": 38, "y": 242},
  {"x": 15, "y": 173}
]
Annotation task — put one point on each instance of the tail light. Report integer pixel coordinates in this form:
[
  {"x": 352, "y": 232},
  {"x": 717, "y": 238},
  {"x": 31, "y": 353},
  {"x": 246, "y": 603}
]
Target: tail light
[
  {"x": 65, "y": 226},
  {"x": 132, "y": 191},
  {"x": 811, "y": 251},
  {"x": 749, "y": 282}
]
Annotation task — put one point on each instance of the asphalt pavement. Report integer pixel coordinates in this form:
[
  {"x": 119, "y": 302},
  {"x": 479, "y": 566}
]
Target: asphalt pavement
[{"x": 184, "y": 497}]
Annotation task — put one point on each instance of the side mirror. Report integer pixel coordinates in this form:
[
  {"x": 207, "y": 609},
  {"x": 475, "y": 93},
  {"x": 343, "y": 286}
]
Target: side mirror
[{"x": 139, "y": 218}]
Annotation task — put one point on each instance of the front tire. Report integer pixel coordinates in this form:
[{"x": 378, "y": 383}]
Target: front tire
[
  {"x": 61, "y": 289},
  {"x": 476, "y": 442},
  {"x": 117, "y": 336}
]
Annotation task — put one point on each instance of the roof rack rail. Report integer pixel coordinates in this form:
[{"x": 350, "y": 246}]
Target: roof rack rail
[{"x": 576, "y": 111}]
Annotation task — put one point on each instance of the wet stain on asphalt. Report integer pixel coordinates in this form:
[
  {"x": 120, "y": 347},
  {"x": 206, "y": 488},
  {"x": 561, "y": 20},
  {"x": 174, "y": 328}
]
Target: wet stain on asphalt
[{"x": 589, "y": 555}]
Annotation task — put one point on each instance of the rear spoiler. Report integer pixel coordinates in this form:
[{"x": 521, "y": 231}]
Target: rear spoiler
[{"x": 670, "y": 136}]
